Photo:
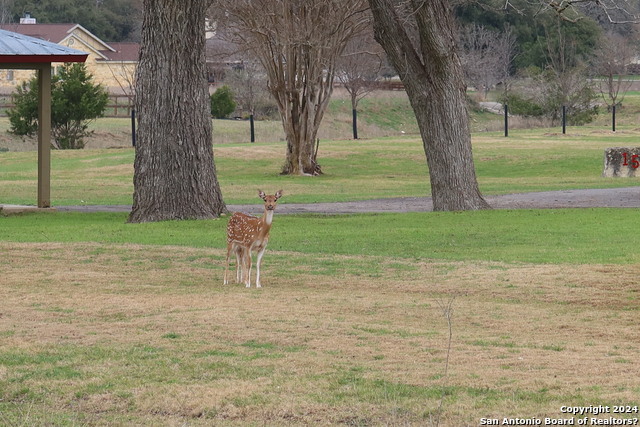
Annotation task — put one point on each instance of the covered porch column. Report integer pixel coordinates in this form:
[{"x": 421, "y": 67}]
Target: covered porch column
[
  {"x": 21, "y": 52},
  {"x": 44, "y": 135}
]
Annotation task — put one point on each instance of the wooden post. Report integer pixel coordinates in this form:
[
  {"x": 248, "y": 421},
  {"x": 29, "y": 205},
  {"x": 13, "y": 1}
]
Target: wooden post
[{"x": 44, "y": 136}]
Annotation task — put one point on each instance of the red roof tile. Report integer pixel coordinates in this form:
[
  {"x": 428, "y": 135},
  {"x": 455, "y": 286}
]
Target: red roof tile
[
  {"x": 50, "y": 32},
  {"x": 124, "y": 51}
]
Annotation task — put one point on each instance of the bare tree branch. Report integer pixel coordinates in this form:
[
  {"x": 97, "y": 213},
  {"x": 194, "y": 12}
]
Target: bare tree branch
[
  {"x": 358, "y": 67},
  {"x": 611, "y": 62},
  {"x": 298, "y": 43},
  {"x": 486, "y": 56},
  {"x": 616, "y": 11}
]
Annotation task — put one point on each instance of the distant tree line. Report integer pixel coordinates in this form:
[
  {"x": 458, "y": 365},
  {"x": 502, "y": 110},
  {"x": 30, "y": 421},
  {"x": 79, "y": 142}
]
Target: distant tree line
[
  {"x": 535, "y": 31},
  {"x": 542, "y": 61},
  {"x": 110, "y": 20}
]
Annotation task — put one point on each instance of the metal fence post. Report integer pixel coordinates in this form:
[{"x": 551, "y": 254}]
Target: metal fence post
[
  {"x": 354, "y": 113},
  {"x": 506, "y": 120},
  {"x": 613, "y": 119},
  {"x": 252, "y": 128}
]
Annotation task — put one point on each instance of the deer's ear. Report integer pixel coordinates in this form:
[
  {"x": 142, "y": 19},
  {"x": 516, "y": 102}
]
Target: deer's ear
[
  {"x": 261, "y": 194},
  {"x": 278, "y": 194}
]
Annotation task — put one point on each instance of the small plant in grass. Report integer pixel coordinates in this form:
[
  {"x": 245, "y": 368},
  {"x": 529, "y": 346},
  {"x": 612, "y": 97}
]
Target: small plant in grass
[
  {"x": 171, "y": 336},
  {"x": 522, "y": 106},
  {"x": 75, "y": 102},
  {"x": 447, "y": 313}
]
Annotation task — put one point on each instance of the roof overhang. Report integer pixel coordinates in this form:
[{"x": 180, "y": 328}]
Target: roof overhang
[
  {"x": 23, "y": 52},
  {"x": 20, "y": 49},
  {"x": 29, "y": 60}
]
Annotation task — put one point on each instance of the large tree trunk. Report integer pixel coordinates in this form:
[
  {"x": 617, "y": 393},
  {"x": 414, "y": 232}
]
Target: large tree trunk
[
  {"x": 444, "y": 126},
  {"x": 432, "y": 75},
  {"x": 175, "y": 176}
]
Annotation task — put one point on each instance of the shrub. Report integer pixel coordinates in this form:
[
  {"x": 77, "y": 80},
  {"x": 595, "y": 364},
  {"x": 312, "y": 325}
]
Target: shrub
[
  {"x": 521, "y": 106},
  {"x": 552, "y": 89},
  {"x": 580, "y": 104},
  {"x": 24, "y": 116},
  {"x": 75, "y": 102},
  {"x": 222, "y": 102}
]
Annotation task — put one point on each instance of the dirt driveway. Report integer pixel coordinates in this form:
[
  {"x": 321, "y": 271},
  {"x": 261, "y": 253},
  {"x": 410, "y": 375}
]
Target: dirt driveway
[{"x": 627, "y": 197}]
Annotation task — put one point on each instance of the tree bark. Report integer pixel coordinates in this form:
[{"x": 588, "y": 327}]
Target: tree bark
[
  {"x": 301, "y": 78},
  {"x": 432, "y": 75},
  {"x": 302, "y": 109},
  {"x": 174, "y": 171}
]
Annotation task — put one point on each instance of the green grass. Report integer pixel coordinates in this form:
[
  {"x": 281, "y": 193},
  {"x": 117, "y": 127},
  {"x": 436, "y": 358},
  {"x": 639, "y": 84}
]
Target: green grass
[
  {"x": 109, "y": 323},
  {"x": 375, "y": 166},
  {"x": 380, "y": 168},
  {"x": 577, "y": 236}
]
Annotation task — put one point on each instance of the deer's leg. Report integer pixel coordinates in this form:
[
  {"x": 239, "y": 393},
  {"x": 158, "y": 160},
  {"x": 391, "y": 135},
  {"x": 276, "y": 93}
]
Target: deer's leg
[
  {"x": 258, "y": 262},
  {"x": 238, "y": 253},
  {"x": 246, "y": 267},
  {"x": 226, "y": 270}
]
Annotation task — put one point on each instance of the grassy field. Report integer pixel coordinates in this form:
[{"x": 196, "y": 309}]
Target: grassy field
[
  {"x": 354, "y": 170},
  {"x": 108, "y": 323},
  {"x": 418, "y": 319}
]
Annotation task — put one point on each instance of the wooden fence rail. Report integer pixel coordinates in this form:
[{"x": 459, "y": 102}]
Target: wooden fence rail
[{"x": 118, "y": 106}]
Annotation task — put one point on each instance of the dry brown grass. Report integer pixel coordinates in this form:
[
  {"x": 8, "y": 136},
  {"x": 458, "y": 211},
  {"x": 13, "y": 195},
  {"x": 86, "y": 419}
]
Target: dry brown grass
[{"x": 115, "y": 335}]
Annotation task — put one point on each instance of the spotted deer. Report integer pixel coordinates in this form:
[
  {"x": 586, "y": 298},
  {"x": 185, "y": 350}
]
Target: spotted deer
[{"x": 246, "y": 234}]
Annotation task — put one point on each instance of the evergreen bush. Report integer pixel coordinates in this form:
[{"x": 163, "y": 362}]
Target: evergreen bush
[
  {"x": 75, "y": 102},
  {"x": 222, "y": 102}
]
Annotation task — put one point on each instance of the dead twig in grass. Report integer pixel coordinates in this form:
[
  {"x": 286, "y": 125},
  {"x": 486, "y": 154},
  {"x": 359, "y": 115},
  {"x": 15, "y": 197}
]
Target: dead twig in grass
[{"x": 447, "y": 312}]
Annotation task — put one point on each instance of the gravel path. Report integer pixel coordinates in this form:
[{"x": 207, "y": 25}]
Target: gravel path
[{"x": 628, "y": 197}]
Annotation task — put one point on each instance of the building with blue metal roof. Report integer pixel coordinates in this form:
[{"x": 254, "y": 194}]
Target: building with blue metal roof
[{"x": 18, "y": 51}]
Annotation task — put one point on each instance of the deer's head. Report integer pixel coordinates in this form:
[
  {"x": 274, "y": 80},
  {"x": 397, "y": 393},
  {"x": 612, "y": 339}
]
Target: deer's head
[{"x": 270, "y": 201}]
